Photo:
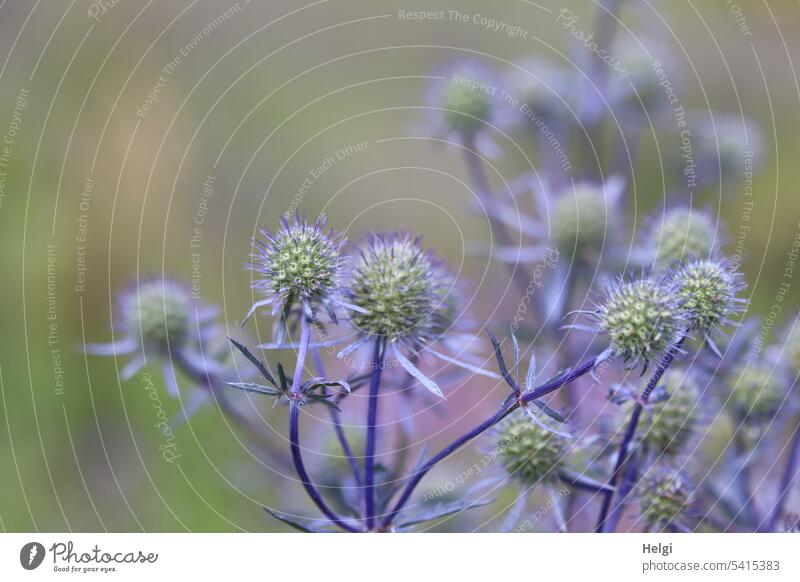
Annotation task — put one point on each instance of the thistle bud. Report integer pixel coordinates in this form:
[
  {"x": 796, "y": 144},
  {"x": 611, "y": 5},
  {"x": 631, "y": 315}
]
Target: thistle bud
[
  {"x": 668, "y": 424},
  {"x": 707, "y": 291},
  {"x": 756, "y": 391},
  {"x": 529, "y": 452},
  {"x": 641, "y": 318},
  {"x": 398, "y": 288},
  {"x": 664, "y": 496},
  {"x": 300, "y": 262},
  {"x": 158, "y": 312},
  {"x": 682, "y": 233},
  {"x": 579, "y": 219}
]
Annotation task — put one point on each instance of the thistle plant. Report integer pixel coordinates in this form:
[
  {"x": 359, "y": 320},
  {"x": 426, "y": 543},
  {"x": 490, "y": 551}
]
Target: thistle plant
[
  {"x": 665, "y": 497},
  {"x": 670, "y": 421},
  {"x": 681, "y": 234},
  {"x": 389, "y": 308}
]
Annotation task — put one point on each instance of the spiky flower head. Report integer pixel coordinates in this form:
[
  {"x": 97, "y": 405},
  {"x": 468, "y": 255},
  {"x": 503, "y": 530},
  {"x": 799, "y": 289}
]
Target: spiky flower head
[
  {"x": 707, "y": 290},
  {"x": 757, "y": 391},
  {"x": 664, "y": 496},
  {"x": 668, "y": 424},
  {"x": 579, "y": 219},
  {"x": 642, "y": 318},
  {"x": 464, "y": 99},
  {"x": 398, "y": 288},
  {"x": 158, "y": 313},
  {"x": 298, "y": 263},
  {"x": 681, "y": 234},
  {"x": 528, "y": 451}
]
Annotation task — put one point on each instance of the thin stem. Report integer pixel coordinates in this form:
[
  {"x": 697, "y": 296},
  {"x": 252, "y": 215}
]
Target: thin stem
[
  {"x": 628, "y": 483},
  {"x": 630, "y": 431},
  {"x": 790, "y": 475},
  {"x": 372, "y": 419},
  {"x": 742, "y": 482},
  {"x": 336, "y": 419},
  {"x": 484, "y": 192},
  {"x": 297, "y": 459},
  {"x": 508, "y": 408},
  {"x": 305, "y": 338}
]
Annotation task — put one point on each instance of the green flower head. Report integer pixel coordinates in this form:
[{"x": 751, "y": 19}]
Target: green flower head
[
  {"x": 707, "y": 291},
  {"x": 158, "y": 312},
  {"x": 757, "y": 391},
  {"x": 529, "y": 452},
  {"x": 642, "y": 319},
  {"x": 579, "y": 219},
  {"x": 399, "y": 289},
  {"x": 667, "y": 425},
  {"x": 682, "y": 233},
  {"x": 792, "y": 349},
  {"x": 664, "y": 496},
  {"x": 300, "y": 262}
]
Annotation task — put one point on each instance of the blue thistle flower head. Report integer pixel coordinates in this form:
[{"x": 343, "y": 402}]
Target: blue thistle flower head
[
  {"x": 669, "y": 422},
  {"x": 665, "y": 495},
  {"x": 300, "y": 264},
  {"x": 757, "y": 390},
  {"x": 400, "y": 290},
  {"x": 642, "y": 318},
  {"x": 707, "y": 290},
  {"x": 159, "y": 313},
  {"x": 528, "y": 451},
  {"x": 159, "y": 319},
  {"x": 464, "y": 103},
  {"x": 681, "y": 234}
]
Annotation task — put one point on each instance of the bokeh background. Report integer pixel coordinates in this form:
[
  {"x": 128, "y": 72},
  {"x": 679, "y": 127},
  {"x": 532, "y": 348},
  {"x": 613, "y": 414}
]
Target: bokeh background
[{"x": 98, "y": 174}]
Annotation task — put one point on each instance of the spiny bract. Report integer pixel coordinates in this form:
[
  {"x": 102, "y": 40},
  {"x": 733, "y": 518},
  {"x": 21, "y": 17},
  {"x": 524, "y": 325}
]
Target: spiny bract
[
  {"x": 579, "y": 219},
  {"x": 707, "y": 292},
  {"x": 664, "y": 495},
  {"x": 399, "y": 288},
  {"x": 668, "y": 425},
  {"x": 157, "y": 313},
  {"x": 527, "y": 451},
  {"x": 641, "y": 318},
  {"x": 298, "y": 262},
  {"x": 683, "y": 233}
]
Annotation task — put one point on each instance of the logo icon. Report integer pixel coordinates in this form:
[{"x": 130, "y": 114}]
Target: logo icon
[{"x": 31, "y": 555}]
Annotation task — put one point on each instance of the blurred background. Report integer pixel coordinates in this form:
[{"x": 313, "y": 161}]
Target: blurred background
[{"x": 145, "y": 137}]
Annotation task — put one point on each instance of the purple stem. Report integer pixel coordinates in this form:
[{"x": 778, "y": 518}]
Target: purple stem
[
  {"x": 484, "y": 192},
  {"x": 336, "y": 418},
  {"x": 297, "y": 459},
  {"x": 790, "y": 475},
  {"x": 628, "y": 482},
  {"x": 305, "y": 338},
  {"x": 507, "y": 409},
  {"x": 372, "y": 419},
  {"x": 630, "y": 431}
]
